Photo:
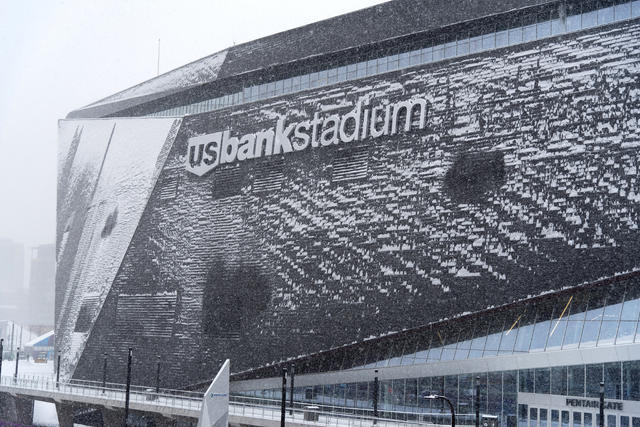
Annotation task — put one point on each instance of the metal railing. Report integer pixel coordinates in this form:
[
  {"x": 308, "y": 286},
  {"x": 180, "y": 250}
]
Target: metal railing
[
  {"x": 110, "y": 391},
  {"x": 238, "y": 405}
]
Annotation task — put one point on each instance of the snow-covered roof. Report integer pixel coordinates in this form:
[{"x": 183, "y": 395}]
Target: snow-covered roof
[
  {"x": 39, "y": 340},
  {"x": 367, "y": 26}
]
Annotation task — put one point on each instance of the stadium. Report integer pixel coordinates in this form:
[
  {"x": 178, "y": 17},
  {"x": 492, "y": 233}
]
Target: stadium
[{"x": 445, "y": 199}]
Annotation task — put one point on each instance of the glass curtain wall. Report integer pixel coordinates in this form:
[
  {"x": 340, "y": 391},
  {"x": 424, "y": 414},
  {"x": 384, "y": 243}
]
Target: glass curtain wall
[{"x": 535, "y": 26}]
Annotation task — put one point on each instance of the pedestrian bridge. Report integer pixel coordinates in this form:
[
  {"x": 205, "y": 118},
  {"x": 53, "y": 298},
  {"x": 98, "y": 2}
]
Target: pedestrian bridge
[{"x": 167, "y": 406}]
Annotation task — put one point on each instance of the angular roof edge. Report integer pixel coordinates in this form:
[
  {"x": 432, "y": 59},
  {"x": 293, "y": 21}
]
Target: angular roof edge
[{"x": 374, "y": 24}]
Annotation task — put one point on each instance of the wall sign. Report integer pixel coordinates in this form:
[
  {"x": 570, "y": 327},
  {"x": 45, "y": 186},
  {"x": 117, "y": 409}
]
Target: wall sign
[{"x": 206, "y": 152}]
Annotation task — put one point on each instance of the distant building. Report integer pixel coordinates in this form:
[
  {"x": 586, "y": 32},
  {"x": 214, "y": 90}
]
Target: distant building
[
  {"x": 11, "y": 278},
  {"x": 40, "y": 301}
]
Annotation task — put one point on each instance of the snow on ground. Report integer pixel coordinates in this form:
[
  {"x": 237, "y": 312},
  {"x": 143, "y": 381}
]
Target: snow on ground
[{"x": 27, "y": 367}]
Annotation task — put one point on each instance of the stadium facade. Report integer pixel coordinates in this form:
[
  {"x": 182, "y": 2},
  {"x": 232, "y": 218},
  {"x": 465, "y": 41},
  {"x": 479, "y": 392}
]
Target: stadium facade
[{"x": 445, "y": 198}]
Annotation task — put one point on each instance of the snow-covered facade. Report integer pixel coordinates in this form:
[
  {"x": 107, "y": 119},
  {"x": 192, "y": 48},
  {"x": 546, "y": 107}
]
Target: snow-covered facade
[{"x": 521, "y": 179}]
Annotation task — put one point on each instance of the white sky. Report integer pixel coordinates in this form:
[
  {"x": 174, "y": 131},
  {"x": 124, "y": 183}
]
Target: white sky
[{"x": 56, "y": 56}]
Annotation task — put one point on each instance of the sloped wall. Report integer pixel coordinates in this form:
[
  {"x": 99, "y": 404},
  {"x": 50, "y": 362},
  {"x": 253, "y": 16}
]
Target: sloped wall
[{"x": 523, "y": 180}]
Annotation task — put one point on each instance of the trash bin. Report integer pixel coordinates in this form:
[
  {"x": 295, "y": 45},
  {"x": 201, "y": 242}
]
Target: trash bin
[{"x": 311, "y": 413}]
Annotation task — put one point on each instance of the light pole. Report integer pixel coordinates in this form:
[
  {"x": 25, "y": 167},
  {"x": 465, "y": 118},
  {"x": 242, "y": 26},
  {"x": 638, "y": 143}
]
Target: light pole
[
  {"x": 128, "y": 390},
  {"x": 1, "y": 353},
  {"x": 104, "y": 374},
  {"x": 293, "y": 374},
  {"x": 158, "y": 377},
  {"x": 601, "y": 403},
  {"x": 453, "y": 412},
  {"x": 283, "y": 404},
  {"x": 15, "y": 375},
  {"x": 376, "y": 386},
  {"x": 58, "y": 373},
  {"x": 478, "y": 401}
]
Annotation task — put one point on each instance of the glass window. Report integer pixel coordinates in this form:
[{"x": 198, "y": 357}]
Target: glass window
[
  {"x": 438, "y": 52},
  {"x": 322, "y": 77},
  {"x": 543, "y": 381},
  {"x": 395, "y": 352},
  {"x": 635, "y": 9},
  {"x": 392, "y": 62},
  {"x": 555, "y": 418},
  {"x": 466, "y": 394},
  {"x": 577, "y": 419},
  {"x": 606, "y": 15},
  {"x": 589, "y": 19},
  {"x": 526, "y": 380},
  {"x": 524, "y": 338},
  {"x": 313, "y": 80},
  {"x": 304, "y": 82},
  {"x": 565, "y": 419},
  {"x": 332, "y": 76},
  {"x": 403, "y": 60},
  {"x": 575, "y": 376},
  {"x": 529, "y": 33},
  {"x": 542, "y": 327},
  {"x": 410, "y": 394},
  {"x": 494, "y": 389},
  {"x": 342, "y": 74},
  {"x": 372, "y": 67},
  {"x": 509, "y": 393},
  {"x": 515, "y": 36},
  {"x": 295, "y": 83},
  {"x": 574, "y": 23},
  {"x": 558, "y": 26},
  {"x": 522, "y": 415},
  {"x": 279, "y": 86},
  {"x": 361, "y": 69},
  {"x": 623, "y": 11},
  {"x": 352, "y": 71},
  {"x": 493, "y": 340},
  {"x": 489, "y": 41},
  {"x": 382, "y": 64},
  {"x": 422, "y": 347},
  {"x": 450, "y": 49},
  {"x": 451, "y": 389},
  {"x": 626, "y": 332},
  {"x": 608, "y": 332},
  {"x": 572, "y": 334},
  {"x": 509, "y": 336},
  {"x": 544, "y": 29},
  {"x": 594, "y": 376},
  {"x": 415, "y": 57},
  {"x": 559, "y": 380},
  {"x": 463, "y": 47},
  {"x": 543, "y": 417},
  {"x": 631, "y": 307},
  {"x": 624, "y": 421},
  {"x": 631, "y": 380},
  {"x": 611, "y": 421},
  {"x": 475, "y": 44},
  {"x": 588, "y": 420},
  {"x": 590, "y": 333},
  {"x": 533, "y": 417},
  {"x": 426, "y": 55},
  {"x": 502, "y": 38},
  {"x": 613, "y": 380}
]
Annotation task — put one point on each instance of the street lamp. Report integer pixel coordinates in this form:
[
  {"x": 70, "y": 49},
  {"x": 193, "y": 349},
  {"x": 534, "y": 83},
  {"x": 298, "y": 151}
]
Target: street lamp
[
  {"x": 15, "y": 375},
  {"x": 601, "y": 403},
  {"x": 1, "y": 353},
  {"x": 453, "y": 413},
  {"x": 283, "y": 403}
]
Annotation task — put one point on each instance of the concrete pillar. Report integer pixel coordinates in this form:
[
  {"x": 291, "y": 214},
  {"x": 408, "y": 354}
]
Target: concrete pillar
[
  {"x": 65, "y": 414},
  {"x": 24, "y": 409},
  {"x": 112, "y": 417},
  {"x": 8, "y": 411}
]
